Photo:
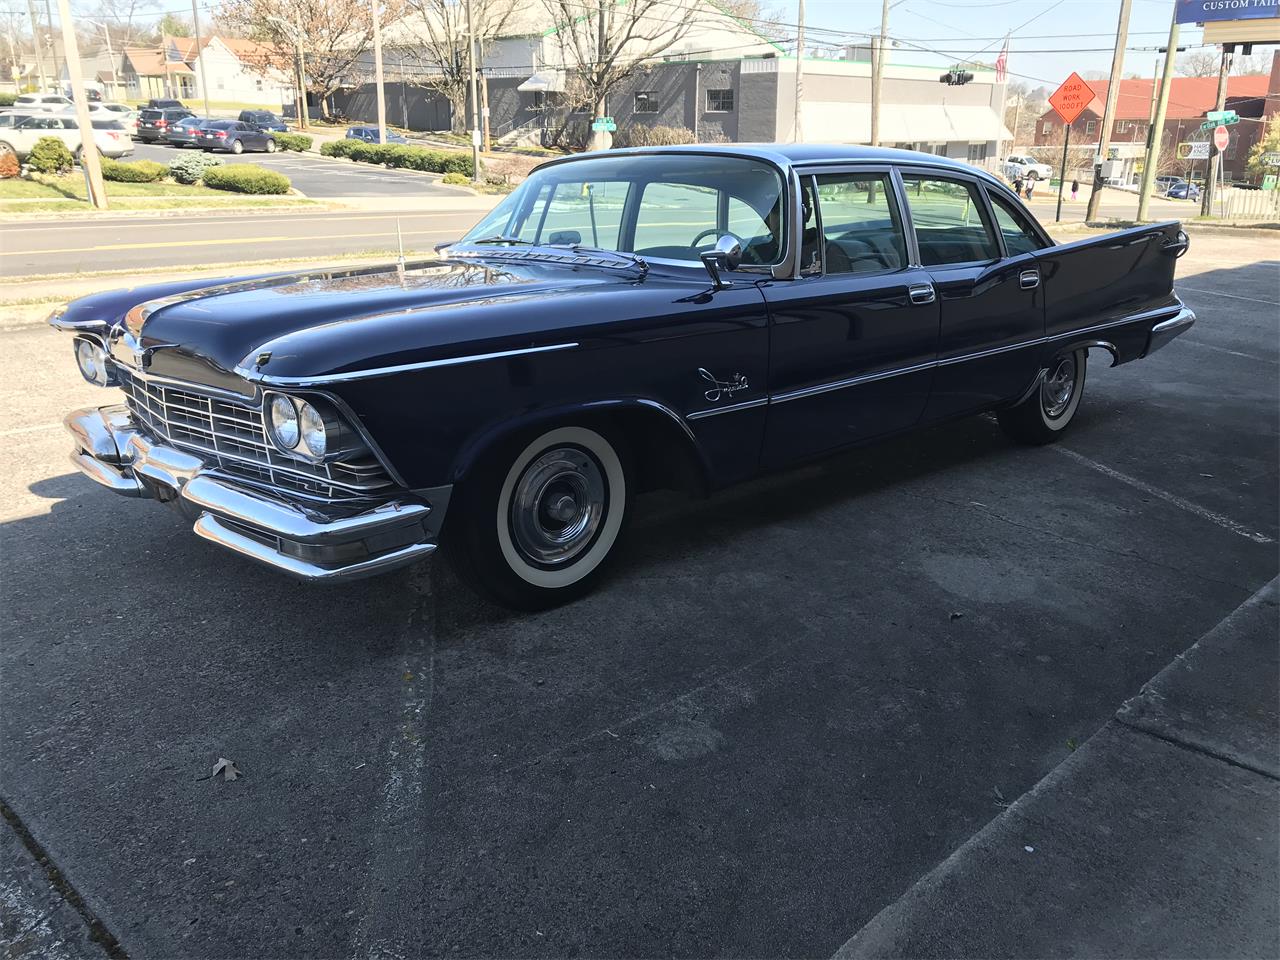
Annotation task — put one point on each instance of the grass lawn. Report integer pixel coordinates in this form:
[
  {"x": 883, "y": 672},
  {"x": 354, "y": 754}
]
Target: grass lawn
[{"x": 59, "y": 194}]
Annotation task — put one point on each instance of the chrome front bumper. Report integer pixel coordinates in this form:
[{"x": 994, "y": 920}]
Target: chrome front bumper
[
  {"x": 1166, "y": 330},
  {"x": 309, "y": 541}
]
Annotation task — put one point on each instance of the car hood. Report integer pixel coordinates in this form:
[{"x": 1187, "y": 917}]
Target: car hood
[{"x": 325, "y": 322}]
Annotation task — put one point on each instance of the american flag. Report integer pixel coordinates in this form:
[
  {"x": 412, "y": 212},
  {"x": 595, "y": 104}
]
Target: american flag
[{"x": 1002, "y": 63}]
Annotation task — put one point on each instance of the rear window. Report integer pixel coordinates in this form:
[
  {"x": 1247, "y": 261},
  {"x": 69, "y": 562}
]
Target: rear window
[
  {"x": 150, "y": 114},
  {"x": 107, "y": 125},
  {"x": 222, "y": 125}
]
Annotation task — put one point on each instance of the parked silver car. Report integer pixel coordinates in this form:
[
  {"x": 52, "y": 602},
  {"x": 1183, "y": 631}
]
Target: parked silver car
[{"x": 110, "y": 135}]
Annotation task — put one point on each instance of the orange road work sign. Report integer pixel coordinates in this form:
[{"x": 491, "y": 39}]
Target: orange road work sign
[{"x": 1070, "y": 99}]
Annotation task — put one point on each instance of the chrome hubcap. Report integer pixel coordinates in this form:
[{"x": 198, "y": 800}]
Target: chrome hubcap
[
  {"x": 1059, "y": 387},
  {"x": 557, "y": 506}
]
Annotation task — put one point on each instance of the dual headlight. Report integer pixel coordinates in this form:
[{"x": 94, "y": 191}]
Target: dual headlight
[
  {"x": 95, "y": 366},
  {"x": 307, "y": 430}
]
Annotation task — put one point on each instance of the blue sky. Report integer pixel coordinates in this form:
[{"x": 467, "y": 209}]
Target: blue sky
[{"x": 1048, "y": 47}]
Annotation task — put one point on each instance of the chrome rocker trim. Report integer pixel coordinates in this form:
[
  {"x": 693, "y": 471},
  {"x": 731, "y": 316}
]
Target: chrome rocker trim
[
  {"x": 305, "y": 540},
  {"x": 1166, "y": 330}
]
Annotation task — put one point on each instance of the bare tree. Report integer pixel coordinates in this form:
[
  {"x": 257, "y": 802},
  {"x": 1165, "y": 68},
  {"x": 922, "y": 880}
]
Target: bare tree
[
  {"x": 763, "y": 19},
  {"x": 130, "y": 21},
  {"x": 1200, "y": 63},
  {"x": 604, "y": 43},
  {"x": 332, "y": 35},
  {"x": 440, "y": 27}
]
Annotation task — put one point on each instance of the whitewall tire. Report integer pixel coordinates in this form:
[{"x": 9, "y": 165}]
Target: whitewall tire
[{"x": 1044, "y": 415}]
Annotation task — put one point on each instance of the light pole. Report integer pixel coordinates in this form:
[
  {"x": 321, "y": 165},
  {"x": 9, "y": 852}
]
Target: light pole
[
  {"x": 115, "y": 81},
  {"x": 799, "y": 127},
  {"x": 1157, "y": 121},
  {"x": 35, "y": 36},
  {"x": 475, "y": 100},
  {"x": 877, "y": 72},
  {"x": 204, "y": 80},
  {"x": 377, "y": 73},
  {"x": 89, "y": 161},
  {"x": 1108, "y": 112}
]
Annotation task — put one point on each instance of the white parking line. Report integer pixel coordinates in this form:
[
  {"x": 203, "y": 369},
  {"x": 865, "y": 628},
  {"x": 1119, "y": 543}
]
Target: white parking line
[
  {"x": 1229, "y": 296},
  {"x": 36, "y": 429},
  {"x": 1225, "y": 522}
]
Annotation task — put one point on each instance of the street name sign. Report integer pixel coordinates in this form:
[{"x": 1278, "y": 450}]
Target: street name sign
[
  {"x": 1222, "y": 116},
  {"x": 603, "y": 123},
  {"x": 1071, "y": 99}
]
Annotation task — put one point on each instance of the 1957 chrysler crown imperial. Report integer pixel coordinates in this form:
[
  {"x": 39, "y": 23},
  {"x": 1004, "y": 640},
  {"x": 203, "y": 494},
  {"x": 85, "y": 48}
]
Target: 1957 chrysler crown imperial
[{"x": 684, "y": 317}]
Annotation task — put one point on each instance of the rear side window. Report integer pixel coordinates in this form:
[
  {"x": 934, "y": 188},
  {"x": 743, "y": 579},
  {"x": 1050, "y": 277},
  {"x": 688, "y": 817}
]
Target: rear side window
[
  {"x": 861, "y": 229},
  {"x": 950, "y": 223},
  {"x": 1018, "y": 235}
]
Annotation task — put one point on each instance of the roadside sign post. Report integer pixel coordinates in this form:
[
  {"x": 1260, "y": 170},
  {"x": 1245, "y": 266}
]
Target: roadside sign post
[{"x": 1069, "y": 101}]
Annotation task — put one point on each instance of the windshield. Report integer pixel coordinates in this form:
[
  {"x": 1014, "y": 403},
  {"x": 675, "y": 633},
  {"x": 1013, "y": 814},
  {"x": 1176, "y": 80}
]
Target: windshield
[{"x": 658, "y": 206}]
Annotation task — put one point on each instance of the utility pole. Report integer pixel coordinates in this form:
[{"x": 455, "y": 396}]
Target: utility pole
[
  {"x": 88, "y": 147},
  {"x": 878, "y": 45},
  {"x": 204, "y": 80},
  {"x": 1157, "y": 122},
  {"x": 475, "y": 98},
  {"x": 53, "y": 46},
  {"x": 1109, "y": 112},
  {"x": 377, "y": 72},
  {"x": 484, "y": 113},
  {"x": 1206, "y": 196},
  {"x": 799, "y": 129},
  {"x": 303, "y": 116},
  {"x": 35, "y": 37}
]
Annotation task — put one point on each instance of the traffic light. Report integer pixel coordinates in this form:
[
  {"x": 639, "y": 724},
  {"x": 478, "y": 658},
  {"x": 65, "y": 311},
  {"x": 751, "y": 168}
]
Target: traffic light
[{"x": 955, "y": 77}]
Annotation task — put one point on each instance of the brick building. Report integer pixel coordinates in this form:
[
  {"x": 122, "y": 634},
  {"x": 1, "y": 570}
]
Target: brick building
[{"x": 1190, "y": 98}]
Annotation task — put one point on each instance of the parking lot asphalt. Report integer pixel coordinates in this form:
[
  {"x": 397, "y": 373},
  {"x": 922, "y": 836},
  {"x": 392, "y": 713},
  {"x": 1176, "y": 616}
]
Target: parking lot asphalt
[
  {"x": 786, "y": 705},
  {"x": 320, "y": 177}
]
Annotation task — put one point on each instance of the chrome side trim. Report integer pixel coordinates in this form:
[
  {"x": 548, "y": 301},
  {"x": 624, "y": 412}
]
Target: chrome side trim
[
  {"x": 322, "y": 379},
  {"x": 1007, "y": 348},
  {"x": 850, "y": 382},
  {"x": 731, "y": 408}
]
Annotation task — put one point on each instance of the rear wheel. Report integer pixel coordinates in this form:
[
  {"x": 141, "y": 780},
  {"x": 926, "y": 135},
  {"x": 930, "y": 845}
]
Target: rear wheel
[
  {"x": 1032, "y": 175},
  {"x": 237, "y": 147},
  {"x": 535, "y": 523},
  {"x": 1045, "y": 415}
]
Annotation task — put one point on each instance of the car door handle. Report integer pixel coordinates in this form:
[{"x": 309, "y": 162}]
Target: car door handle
[
  {"x": 921, "y": 293},
  {"x": 1029, "y": 279}
]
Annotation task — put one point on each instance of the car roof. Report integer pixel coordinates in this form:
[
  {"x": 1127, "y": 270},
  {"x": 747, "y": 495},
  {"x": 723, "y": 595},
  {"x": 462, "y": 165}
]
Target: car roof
[{"x": 798, "y": 154}]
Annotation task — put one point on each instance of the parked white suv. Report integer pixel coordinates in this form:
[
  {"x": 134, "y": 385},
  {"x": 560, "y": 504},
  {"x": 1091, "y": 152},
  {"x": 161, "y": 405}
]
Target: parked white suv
[
  {"x": 110, "y": 135},
  {"x": 1020, "y": 165},
  {"x": 41, "y": 103}
]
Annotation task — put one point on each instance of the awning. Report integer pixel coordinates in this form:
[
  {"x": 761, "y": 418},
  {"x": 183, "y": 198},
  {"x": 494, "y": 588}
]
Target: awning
[
  {"x": 905, "y": 123},
  {"x": 544, "y": 81}
]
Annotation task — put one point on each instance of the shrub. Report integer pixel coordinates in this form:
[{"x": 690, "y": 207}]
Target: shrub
[
  {"x": 8, "y": 166},
  {"x": 190, "y": 167},
  {"x": 400, "y": 155},
  {"x": 456, "y": 179},
  {"x": 139, "y": 171},
  {"x": 8, "y": 99},
  {"x": 641, "y": 135},
  {"x": 292, "y": 141},
  {"x": 246, "y": 178},
  {"x": 50, "y": 155}
]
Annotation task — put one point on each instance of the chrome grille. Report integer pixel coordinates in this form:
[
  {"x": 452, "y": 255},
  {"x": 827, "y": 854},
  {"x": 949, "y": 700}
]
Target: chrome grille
[{"x": 233, "y": 436}]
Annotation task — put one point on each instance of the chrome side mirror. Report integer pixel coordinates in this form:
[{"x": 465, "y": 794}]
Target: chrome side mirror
[{"x": 725, "y": 255}]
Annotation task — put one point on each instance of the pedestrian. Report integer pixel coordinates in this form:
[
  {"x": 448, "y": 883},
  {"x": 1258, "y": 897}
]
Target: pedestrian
[
  {"x": 1031, "y": 185},
  {"x": 1075, "y": 188},
  {"x": 1017, "y": 186}
]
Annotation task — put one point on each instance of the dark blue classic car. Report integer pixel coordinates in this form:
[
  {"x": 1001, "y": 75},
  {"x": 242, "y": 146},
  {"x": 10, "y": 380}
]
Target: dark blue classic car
[{"x": 677, "y": 317}]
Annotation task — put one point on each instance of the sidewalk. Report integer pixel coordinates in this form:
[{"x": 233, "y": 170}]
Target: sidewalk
[{"x": 1157, "y": 838}]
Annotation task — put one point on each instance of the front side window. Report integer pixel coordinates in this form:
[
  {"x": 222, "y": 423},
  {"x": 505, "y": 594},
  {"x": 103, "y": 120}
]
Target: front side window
[
  {"x": 668, "y": 207},
  {"x": 719, "y": 101},
  {"x": 646, "y": 101},
  {"x": 1018, "y": 235},
  {"x": 950, "y": 224},
  {"x": 861, "y": 229}
]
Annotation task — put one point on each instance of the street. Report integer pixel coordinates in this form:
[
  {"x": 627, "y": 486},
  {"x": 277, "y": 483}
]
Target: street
[
  {"x": 786, "y": 705},
  {"x": 76, "y": 246}
]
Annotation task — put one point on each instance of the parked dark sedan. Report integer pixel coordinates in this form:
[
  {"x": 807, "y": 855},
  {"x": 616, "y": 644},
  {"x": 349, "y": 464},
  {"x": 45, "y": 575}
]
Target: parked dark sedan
[
  {"x": 235, "y": 136},
  {"x": 184, "y": 132},
  {"x": 154, "y": 123},
  {"x": 683, "y": 317},
  {"x": 263, "y": 120},
  {"x": 370, "y": 135}
]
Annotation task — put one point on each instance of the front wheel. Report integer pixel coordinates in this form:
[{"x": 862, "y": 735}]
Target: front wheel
[
  {"x": 271, "y": 146},
  {"x": 537, "y": 520},
  {"x": 1045, "y": 415}
]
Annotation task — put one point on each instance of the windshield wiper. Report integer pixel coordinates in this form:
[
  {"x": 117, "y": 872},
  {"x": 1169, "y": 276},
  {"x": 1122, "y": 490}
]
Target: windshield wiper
[{"x": 498, "y": 238}]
